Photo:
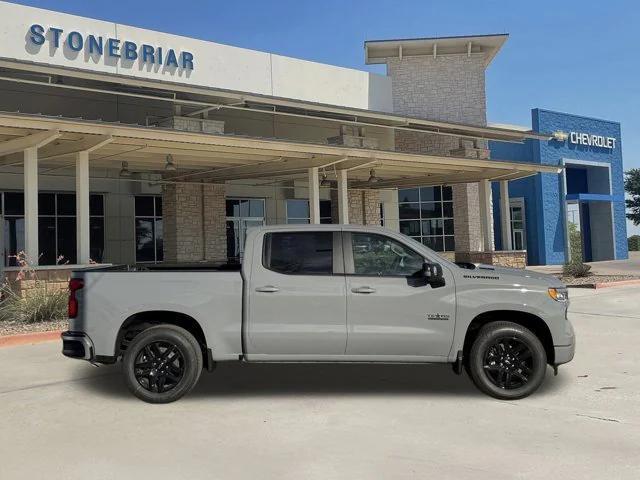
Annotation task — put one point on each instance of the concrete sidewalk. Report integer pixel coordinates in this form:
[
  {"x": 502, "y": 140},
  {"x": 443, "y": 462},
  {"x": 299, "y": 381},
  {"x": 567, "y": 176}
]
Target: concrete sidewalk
[
  {"x": 611, "y": 267},
  {"x": 63, "y": 419}
]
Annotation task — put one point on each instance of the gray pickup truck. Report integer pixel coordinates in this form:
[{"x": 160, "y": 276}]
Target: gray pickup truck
[{"x": 320, "y": 293}]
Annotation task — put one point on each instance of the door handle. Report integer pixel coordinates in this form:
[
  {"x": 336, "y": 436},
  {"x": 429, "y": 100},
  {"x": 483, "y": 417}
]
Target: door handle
[
  {"x": 267, "y": 289},
  {"x": 363, "y": 290}
]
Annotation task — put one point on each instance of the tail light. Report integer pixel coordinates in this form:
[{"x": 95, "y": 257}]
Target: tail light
[{"x": 75, "y": 284}]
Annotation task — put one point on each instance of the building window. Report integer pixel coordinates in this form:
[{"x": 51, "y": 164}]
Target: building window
[
  {"x": 242, "y": 214},
  {"x": 518, "y": 232},
  {"x": 56, "y": 227},
  {"x": 298, "y": 211},
  {"x": 426, "y": 214},
  {"x": 148, "y": 218}
]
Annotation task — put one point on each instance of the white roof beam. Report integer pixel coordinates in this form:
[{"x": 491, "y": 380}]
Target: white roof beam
[
  {"x": 87, "y": 144},
  {"x": 35, "y": 140}
]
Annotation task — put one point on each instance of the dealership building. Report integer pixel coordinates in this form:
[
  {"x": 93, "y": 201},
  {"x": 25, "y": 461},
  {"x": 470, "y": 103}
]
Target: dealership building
[{"x": 125, "y": 145}]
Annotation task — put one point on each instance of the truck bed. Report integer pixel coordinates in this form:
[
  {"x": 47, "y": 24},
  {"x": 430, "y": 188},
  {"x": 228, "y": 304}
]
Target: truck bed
[{"x": 210, "y": 294}]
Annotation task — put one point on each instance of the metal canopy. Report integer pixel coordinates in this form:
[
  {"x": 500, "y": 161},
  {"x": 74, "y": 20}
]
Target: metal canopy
[
  {"x": 200, "y": 99},
  {"x": 218, "y": 158}
]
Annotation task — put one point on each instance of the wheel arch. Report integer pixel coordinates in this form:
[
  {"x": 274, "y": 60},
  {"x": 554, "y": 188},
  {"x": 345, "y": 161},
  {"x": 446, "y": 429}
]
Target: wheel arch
[
  {"x": 528, "y": 320},
  {"x": 140, "y": 321}
]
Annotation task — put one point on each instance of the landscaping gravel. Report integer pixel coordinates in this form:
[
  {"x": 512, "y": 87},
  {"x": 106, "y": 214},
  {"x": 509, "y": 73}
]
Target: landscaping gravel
[
  {"x": 15, "y": 328},
  {"x": 597, "y": 279}
]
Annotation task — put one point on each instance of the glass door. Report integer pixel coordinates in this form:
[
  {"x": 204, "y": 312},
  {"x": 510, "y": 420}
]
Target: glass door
[
  {"x": 518, "y": 232},
  {"x": 242, "y": 214}
]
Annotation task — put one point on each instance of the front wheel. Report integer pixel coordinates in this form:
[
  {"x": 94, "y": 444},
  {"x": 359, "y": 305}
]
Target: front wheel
[
  {"x": 507, "y": 361},
  {"x": 162, "y": 364}
]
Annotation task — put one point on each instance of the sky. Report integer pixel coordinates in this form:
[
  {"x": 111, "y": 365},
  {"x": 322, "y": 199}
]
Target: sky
[{"x": 579, "y": 57}]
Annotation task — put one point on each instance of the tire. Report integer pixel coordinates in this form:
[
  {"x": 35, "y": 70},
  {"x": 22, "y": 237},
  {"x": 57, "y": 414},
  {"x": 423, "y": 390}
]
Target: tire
[
  {"x": 507, "y": 361},
  {"x": 162, "y": 364}
]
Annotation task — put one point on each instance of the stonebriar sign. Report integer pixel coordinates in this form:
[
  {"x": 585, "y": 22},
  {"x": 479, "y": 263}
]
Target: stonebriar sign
[{"x": 111, "y": 47}]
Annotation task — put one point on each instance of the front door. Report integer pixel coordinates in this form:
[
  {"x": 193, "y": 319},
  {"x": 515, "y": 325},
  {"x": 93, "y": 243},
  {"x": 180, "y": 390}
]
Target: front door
[
  {"x": 242, "y": 214},
  {"x": 296, "y": 296},
  {"x": 518, "y": 229},
  {"x": 388, "y": 311}
]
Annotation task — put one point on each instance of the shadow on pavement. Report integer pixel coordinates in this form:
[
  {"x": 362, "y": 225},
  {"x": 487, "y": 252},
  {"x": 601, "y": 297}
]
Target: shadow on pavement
[{"x": 271, "y": 380}]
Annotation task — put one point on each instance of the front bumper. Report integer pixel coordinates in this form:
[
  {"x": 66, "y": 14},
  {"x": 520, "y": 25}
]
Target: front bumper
[
  {"x": 564, "y": 353},
  {"x": 77, "y": 345}
]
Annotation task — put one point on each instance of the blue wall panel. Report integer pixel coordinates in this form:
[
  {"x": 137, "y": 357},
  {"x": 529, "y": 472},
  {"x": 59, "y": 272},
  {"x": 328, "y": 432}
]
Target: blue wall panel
[{"x": 544, "y": 205}]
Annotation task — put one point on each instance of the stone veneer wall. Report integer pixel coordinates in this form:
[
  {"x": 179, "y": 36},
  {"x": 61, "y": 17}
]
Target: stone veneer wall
[
  {"x": 448, "y": 88},
  {"x": 506, "y": 258},
  {"x": 215, "y": 223},
  {"x": 364, "y": 207},
  {"x": 50, "y": 278},
  {"x": 194, "y": 222}
]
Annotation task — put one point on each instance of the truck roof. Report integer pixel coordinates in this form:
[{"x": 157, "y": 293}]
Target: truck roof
[{"x": 321, "y": 227}]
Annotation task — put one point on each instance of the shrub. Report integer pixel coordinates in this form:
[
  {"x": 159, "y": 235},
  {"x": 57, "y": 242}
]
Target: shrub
[
  {"x": 634, "y": 243},
  {"x": 576, "y": 269},
  {"x": 39, "y": 304}
]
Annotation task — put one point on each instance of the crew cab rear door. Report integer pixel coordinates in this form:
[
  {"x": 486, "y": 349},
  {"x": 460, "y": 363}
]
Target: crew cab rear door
[
  {"x": 296, "y": 295},
  {"x": 390, "y": 312}
]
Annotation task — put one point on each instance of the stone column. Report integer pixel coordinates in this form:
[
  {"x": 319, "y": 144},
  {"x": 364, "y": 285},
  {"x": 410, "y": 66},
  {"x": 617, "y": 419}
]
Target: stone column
[
  {"x": 371, "y": 207},
  {"x": 194, "y": 220},
  {"x": 182, "y": 215},
  {"x": 356, "y": 212},
  {"x": 215, "y": 223},
  {"x": 364, "y": 207}
]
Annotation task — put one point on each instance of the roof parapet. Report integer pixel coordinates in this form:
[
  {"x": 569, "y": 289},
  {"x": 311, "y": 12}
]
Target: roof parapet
[{"x": 378, "y": 51}]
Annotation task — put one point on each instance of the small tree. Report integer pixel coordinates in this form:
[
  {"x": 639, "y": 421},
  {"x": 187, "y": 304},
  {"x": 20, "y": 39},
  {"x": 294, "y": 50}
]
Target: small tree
[
  {"x": 632, "y": 186},
  {"x": 575, "y": 243},
  {"x": 575, "y": 268}
]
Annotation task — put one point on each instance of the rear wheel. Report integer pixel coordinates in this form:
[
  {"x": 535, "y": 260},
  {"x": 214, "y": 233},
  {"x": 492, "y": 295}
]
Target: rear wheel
[
  {"x": 507, "y": 361},
  {"x": 162, "y": 364}
]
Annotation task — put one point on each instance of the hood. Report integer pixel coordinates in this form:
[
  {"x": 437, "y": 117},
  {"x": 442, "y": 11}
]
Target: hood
[{"x": 524, "y": 276}]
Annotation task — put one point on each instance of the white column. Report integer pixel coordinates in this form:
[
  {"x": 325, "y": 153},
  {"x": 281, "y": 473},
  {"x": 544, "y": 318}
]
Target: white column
[
  {"x": 343, "y": 198},
  {"x": 505, "y": 215},
  {"x": 31, "y": 205},
  {"x": 486, "y": 215},
  {"x": 314, "y": 196},
  {"x": 82, "y": 207}
]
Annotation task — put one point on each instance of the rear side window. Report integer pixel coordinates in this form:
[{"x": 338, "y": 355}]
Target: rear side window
[{"x": 299, "y": 253}]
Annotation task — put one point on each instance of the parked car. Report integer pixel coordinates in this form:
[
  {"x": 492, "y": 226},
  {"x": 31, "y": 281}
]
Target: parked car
[{"x": 320, "y": 293}]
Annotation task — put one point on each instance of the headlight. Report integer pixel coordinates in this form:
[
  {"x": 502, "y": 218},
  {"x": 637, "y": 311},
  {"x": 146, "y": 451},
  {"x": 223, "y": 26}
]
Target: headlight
[{"x": 559, "y": 294}]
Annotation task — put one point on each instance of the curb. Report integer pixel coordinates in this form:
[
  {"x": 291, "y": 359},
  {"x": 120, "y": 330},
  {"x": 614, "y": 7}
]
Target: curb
[
  {"x": 29, "y": 338},
  {"x": 621, "y": 283}
]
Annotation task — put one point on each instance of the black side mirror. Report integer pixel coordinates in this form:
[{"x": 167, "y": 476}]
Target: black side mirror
[{"x": 433, "y": 273}]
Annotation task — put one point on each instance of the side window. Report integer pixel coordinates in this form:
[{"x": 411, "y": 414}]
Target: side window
[
  {"x": 377, "y": 255},
  {"x": 299, "y": 253}
]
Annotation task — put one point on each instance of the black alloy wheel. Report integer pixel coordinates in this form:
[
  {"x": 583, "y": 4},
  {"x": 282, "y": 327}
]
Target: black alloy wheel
[
  {"x": 159, "y": 367},
  {"x": 507, "y": 361},
  {"x": 162, "y": 363}
]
